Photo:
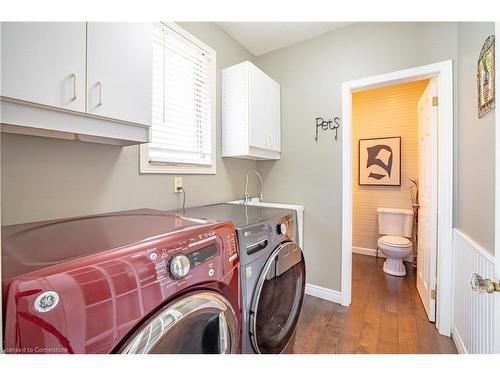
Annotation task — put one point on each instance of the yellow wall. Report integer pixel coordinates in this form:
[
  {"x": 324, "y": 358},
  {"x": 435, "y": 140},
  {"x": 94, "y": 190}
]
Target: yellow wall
[{"x": 384, "y": 112}]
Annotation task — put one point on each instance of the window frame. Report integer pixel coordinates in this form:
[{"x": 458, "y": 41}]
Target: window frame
[{"x": 186, "y": 168}]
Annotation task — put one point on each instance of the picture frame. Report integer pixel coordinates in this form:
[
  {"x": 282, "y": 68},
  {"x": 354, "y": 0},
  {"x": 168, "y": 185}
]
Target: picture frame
[
  {"x": 379, "y": 161},
  {"x": 486, "y": 77}
]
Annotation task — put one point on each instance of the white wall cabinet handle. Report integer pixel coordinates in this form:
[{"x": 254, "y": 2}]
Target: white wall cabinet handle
[
  {"x": 269, "y": 140},
  {"x": 99, "y": 85},
  {"x": 73, "y": 75}
]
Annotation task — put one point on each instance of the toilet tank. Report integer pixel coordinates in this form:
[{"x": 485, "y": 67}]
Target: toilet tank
[{"x": 395, "y": 221}]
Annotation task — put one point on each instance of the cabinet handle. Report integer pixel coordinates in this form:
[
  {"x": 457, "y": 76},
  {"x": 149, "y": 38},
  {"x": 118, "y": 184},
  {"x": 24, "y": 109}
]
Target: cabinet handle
[
  {"x": 99, "y": 103},
  {"x": 269, "y": 140},
  {"x": 73, "y": 75}
]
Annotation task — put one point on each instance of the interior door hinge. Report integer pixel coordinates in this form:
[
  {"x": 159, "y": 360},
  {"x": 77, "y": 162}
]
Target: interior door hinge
[
  {"x": 433, "y": 294},
  {"x": 435, "y": 101}
]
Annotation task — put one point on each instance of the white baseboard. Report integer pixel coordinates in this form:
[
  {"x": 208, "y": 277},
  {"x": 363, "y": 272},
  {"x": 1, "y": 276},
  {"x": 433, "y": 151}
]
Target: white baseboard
[
  {"x": 324, "y": 293},
  {"x": 457, "y": 339},
  {"x": 373, "y": 252},
  {"x": 367, "y": 251}
]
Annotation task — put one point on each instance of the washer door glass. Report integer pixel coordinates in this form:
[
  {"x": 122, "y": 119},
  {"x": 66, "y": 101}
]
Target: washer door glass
[
  {"x": 200, "y": 323},
  {"x": 278, "y": 299}
]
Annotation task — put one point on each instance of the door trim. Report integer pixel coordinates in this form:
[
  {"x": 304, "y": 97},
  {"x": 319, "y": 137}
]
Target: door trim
[
  {"x": 444, "y": 72},
  {"x": 496, "y": 324}
]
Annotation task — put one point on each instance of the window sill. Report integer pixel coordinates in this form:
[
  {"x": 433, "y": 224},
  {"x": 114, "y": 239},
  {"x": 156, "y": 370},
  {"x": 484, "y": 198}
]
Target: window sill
[
  {"x": 176, "y": 169},
  {"x": 148, "y": 168}
]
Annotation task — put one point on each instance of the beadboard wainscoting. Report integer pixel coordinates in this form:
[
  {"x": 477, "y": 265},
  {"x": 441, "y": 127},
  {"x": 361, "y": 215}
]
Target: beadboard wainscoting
[{"x": 473, "y": 316}]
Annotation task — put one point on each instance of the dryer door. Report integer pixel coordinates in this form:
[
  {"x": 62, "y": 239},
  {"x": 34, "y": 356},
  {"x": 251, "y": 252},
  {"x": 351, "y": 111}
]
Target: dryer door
[
  {"x": 278, "y": 299},
  {"x": 198, "y": 323}
]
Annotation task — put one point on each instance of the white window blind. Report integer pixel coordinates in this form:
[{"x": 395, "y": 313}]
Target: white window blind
[{"x": 181, "y": 131}]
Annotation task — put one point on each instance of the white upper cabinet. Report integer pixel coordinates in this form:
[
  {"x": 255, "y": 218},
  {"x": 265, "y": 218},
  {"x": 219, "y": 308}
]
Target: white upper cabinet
[
  {"x": 44, "y": 63},
  {"x": 251, "y": 113},
  {"x": 120, "y": 70},
  {"x": 264, "y": 110},
  {"x": 80, "y": 81}
]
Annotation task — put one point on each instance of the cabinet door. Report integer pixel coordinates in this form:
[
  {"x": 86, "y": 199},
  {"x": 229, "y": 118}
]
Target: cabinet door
[
  {"x": 119, "y": 71},
  {"x": 264, "y": 110},
  {"x": 44, "y": 63},
  {"x": 275, "y": 122}
]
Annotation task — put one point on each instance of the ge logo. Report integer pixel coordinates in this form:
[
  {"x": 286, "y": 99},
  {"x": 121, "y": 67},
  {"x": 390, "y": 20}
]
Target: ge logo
[{"x": 46, "y": 301}]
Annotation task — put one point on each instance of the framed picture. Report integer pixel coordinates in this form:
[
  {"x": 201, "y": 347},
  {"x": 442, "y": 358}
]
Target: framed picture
[
  {"x": 486, "y": 77},
  {"x": 380, "y": 161}
]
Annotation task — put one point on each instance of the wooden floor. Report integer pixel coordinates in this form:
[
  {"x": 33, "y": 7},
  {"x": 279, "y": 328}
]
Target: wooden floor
[{"x": 385, "y": 316}]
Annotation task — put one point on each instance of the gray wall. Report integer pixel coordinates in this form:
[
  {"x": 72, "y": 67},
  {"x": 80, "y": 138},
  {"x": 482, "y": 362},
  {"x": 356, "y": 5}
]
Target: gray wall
[
  {"x": 311, "y": 74},
  {"x": 45, "y": 178},
  {"x": 475, "y": 157}
]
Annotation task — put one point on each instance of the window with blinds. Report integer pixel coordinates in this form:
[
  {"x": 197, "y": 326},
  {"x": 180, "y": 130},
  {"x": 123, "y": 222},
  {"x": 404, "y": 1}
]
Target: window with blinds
[{"x": 182, "y": 100}]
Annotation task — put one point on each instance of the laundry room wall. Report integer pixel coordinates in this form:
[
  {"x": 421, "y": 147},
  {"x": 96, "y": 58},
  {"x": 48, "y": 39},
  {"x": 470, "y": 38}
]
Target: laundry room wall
[
  {"x": 45, "y": 178},
  {"x": 475, "y": 143},
  {"x": 383, "y": 112},
  {"x": 474, "y": 238},
  {"x": 311, "y": 74}
]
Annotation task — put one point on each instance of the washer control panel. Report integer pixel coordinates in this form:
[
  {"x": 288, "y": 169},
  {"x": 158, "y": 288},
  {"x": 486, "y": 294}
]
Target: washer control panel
[
  {"x": 282, "y": 229},
  {"x": 202, "y": 255},
  {"x": 285, "y": 229},
  {"x": 179, "y": 266},
  {"x": 205, "y": 256},
  {"x": 262, "y": 236},
  {"x": 255, "y": 238}
]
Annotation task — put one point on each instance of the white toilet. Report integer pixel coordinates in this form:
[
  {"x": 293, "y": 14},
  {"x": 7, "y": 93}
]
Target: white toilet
[{"x": 395, "y": 226}]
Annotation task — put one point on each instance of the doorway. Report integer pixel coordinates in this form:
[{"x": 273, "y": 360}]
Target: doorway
[{"x": 442, "y": 73}]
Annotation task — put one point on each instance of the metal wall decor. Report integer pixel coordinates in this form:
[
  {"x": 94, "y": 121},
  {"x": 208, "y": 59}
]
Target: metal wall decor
[
  {"x": 486, "y": 77},
  {"x": 327, "y": 125}
]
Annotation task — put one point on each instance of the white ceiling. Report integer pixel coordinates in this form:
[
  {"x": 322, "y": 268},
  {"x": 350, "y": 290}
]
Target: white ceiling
[{"x": 263, "y": 37}]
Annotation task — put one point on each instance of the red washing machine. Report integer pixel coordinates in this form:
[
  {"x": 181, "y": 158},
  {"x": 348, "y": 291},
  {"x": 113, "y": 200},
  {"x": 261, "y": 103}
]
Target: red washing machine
[{"x": 141, "y": 281}]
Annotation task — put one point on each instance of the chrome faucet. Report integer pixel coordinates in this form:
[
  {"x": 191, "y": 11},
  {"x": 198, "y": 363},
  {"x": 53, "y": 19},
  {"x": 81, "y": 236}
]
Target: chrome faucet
[{"x": 246, "y": 197}]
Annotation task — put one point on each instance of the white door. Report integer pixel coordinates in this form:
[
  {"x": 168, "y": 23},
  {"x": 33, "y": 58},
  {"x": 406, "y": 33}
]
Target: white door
[
  {"x": 427, "y": 218},
  {"x": 44, "y": 63},
  {"x": 120, "y": 70},
  {"x": 265, "y": 110}
]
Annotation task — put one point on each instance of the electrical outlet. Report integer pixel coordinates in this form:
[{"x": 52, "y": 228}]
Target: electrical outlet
[{"x": 177, "y": 184}]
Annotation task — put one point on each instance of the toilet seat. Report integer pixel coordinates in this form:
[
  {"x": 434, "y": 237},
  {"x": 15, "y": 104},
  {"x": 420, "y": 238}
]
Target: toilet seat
[
  {"x": 395, "y": 241},
  {"x": 395, "y": 248}
]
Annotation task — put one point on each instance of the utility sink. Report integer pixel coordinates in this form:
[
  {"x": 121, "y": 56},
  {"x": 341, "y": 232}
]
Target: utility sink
[{"x": 298, "y": 208}]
